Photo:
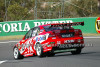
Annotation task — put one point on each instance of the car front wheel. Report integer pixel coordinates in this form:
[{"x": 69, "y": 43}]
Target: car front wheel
[
  {"x": 17, "y": 54},
  {"x": 39, "y": 50}
]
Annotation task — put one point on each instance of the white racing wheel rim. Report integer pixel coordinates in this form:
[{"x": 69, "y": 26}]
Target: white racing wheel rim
[
  {"x": 38, "y": 49},
  {"x": 15, "y": 53}
]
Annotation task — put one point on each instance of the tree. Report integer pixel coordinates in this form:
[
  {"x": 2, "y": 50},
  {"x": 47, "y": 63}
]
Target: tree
[
  {"x": 47, "y": 9},
  {"x": 85, "y": 8},
  {"x": 17, "y": 12},
  {"x": 2, "y": 10},
  {"x": 23, "y": 7}
]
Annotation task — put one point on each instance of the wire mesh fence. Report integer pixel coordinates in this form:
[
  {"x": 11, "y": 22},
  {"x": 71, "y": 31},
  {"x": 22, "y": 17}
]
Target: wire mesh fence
[
  {"x": 12, "y": 10},
  {"x": 45, "y": 9},
  {"x": 48, "y": 9}
]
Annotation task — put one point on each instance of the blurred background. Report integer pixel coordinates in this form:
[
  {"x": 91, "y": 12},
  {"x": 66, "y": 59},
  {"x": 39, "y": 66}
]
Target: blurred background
[{"x": 14, "y": 10}]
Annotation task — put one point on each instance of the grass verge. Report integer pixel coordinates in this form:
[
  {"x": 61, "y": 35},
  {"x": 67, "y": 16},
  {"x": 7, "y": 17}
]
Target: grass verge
[
  {"x": 11, "y": 37},
  {"x": 89, "y": 34},
  {"x": 21, "y": 36}
]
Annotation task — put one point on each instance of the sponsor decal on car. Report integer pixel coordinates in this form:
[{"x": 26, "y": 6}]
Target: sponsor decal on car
[
  {"x": 68, "y": 41},
  {"x": 58, "y": 42}
]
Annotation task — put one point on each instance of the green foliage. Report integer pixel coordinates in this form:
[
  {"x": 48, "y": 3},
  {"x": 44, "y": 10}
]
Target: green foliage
[
  {"x": 85, "y": 8},
  {"x": 47, "y": 9},
  {"x": 2, "y": 9},
  {"x": 16, "y": 12}
]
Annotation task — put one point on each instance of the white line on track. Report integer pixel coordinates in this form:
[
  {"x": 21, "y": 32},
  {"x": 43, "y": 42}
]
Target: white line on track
[
  {"x": 9, "y": 42},
  {"x": 3, "y": 61},
  {"x": 18, "y": 41},
  {"x": 91, "y": 37}
]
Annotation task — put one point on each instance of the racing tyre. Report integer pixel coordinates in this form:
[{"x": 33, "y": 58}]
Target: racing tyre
[
  {"x": 50, "y": 54},
  {"x": 39, "y": 50},
  {"x": 78, "y": 51},
  {"x": 17, "y": 54}
]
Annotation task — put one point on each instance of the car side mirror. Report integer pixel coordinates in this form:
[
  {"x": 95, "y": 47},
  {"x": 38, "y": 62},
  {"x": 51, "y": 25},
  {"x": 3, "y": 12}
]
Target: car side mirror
[{"x": 42, "y": 30}]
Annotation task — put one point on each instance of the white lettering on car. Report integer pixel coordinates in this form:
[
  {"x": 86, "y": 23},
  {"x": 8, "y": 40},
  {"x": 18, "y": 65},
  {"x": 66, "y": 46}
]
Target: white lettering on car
[{"x": 68, "y": 41}]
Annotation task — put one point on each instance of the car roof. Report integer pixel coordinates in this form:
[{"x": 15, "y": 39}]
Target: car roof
[{"x": 44, "y": 25}]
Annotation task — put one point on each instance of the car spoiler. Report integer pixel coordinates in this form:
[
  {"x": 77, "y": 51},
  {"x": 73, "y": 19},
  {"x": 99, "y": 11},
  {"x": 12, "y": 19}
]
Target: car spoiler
[{"x": 67, "y": 24}]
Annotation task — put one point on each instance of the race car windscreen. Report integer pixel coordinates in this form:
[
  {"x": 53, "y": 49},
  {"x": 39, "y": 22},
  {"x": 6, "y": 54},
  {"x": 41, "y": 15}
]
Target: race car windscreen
[{"x": 48, "y": 28}]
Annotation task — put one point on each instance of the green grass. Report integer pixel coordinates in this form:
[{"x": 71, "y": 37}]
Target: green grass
[
  {"x": 11, "y": 37},
  {"x": 89, "y": 34},
  {"x": 21, "y": 36}
]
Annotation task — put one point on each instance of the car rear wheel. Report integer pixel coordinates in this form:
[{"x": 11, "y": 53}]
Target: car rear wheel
[
  {"x": 78, "y": 51},
  {"x": 17, "y": 54},
  {"x": 51, "y": 54},
  {"x": 39, "y": 50}
]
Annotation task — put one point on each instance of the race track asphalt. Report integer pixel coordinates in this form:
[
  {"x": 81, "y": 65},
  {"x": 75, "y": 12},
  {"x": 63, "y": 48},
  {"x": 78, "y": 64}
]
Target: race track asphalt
[{"x": 90, "y": 57}]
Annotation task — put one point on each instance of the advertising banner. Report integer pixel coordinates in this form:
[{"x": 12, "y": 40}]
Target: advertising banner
[{"x": 21, "y": 27}]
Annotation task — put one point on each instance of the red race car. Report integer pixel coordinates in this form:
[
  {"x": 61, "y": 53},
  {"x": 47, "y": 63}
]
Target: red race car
[{"x": 49, "y": 39}]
